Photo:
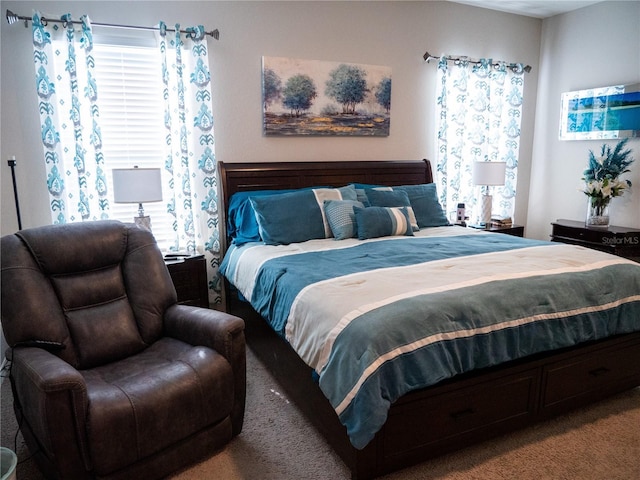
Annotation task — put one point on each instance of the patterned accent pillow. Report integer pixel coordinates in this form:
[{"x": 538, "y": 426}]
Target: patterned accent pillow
[
  {"x": 387, "y": 197},
  {"x": 341, "y": 218},
  {"x": 374, "y": 222}
]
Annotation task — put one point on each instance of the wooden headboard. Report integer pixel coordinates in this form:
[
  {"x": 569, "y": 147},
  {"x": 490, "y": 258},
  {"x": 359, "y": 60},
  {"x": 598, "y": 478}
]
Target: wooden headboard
[{"x": 238, "y": 177}]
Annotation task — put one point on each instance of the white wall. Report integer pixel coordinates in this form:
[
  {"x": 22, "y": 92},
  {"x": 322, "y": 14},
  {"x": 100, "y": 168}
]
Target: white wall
[
  {"x": 394, "y": 34},
  {"x": 596, "y": 46}
]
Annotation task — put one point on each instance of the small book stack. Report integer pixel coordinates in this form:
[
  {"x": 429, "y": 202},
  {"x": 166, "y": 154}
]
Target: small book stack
[{"x": 499, "y": 222}]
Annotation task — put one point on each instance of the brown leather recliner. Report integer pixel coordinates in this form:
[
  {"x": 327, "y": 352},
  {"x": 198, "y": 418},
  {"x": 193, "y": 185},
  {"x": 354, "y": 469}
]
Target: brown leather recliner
[{"x": 111, "y": 377}]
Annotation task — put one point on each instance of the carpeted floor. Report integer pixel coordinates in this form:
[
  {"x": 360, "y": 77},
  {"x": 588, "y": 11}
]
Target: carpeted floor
[{"x": 598, "y": 443}]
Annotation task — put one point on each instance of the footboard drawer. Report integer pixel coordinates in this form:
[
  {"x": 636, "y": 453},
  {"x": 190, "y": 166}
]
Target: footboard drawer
[
  {"x": 461, "y": 415},
  {"x": 585, "y": 378}
]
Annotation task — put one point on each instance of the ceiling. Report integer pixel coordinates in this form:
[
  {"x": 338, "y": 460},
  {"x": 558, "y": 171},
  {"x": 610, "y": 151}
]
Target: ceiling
[{"x": 531, "y": 8}]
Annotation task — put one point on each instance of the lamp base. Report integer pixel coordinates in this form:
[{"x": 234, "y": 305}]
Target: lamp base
[
  {"x": 143, "y": 222},
  {"x": 485, "y": 210}
]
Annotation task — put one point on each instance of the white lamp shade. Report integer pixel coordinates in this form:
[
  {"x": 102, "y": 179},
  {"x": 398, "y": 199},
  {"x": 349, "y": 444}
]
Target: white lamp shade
[
  {"x": 489, "y": 173},
  {"x": 137, "y": 185}
]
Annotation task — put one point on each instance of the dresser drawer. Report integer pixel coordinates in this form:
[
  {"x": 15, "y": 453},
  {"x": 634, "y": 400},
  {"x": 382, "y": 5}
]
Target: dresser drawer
[
  {"x": 622, "y": 241},
  {"x": 585, "y": 378},
  {"x": 462, "y": 413}
]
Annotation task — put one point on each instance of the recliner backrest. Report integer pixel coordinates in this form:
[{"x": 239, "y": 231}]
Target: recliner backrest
[{"x": 98, "y": 290}]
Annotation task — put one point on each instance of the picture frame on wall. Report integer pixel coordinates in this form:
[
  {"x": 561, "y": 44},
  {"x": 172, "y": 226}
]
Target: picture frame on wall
[
  {"x": 601, "y": 113},
  {"x": 319, "y": 98}
]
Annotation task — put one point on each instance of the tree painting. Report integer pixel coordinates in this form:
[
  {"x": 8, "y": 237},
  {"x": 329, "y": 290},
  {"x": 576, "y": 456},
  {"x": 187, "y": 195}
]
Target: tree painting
[
  {"x": 271, "y": 87},
  {"x": 299, "y": 93},
  {"x": 347, "y": 84},
  {"x": 383, "y": 93},
  {"x": 309, "y": 97}
]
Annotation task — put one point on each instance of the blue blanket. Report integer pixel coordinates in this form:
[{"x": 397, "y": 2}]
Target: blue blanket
[{"x": 377, "y": 319}]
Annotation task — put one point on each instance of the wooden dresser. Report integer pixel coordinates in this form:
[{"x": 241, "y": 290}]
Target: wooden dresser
[{"x": 621, "y": 241}]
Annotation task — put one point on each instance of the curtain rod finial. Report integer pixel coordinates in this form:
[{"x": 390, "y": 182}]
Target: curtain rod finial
[
  {"x": 527, "y": 68},
  {"x": 215, "y": 34},
  {"x": 428, "y": 57},
  {"x": 11, "y": 17}
]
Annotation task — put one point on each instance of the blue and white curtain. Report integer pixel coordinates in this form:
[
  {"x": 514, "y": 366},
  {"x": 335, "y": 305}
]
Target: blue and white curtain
[
  {"x": 479, "y": 107},
  {"x": 69, "y": 115},
  {"x": 190, "y": 152},
  {"x": 70, "y": 132}
]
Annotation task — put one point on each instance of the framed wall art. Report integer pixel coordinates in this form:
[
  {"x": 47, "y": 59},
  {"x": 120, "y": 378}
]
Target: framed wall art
[
  {"x": 601, "y": 113},
  {"x": 311, "y": 97}
]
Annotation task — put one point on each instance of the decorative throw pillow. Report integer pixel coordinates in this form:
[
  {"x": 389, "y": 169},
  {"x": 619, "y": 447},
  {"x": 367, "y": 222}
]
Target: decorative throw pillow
[
  {"x": 296, "y": 216},
  {"x": 361, "y": 191},
  {"x": 341, "y": 218},
  {"x": 373, "y": 222},
  {"x": 387, "y": 197},
  {"x": 425, "y": 204}
]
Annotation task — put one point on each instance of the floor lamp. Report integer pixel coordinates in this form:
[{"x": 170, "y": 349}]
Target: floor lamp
[
  {"x": 12, "y": 164},
  {"x": 488, "y": 174},
  {"x": 137, "y": 185}
]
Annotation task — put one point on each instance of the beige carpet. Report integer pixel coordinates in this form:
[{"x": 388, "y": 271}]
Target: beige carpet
[{"x": 601, "y": 442}]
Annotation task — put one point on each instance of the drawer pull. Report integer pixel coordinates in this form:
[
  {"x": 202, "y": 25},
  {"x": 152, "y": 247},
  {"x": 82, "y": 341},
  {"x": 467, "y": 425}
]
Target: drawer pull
[
  {"x": 599, "y": 371},
  {"x": 462, "y": 413}
]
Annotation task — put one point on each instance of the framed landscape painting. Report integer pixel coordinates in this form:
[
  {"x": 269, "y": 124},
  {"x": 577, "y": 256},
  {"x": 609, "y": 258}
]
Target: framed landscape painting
[
  {"x": 310, "y": 97},
  {"x": 601, "y": 113}
]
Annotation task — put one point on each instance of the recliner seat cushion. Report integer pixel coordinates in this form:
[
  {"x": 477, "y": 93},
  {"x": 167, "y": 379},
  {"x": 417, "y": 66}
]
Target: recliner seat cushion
[{"x": 153, "y": 395}]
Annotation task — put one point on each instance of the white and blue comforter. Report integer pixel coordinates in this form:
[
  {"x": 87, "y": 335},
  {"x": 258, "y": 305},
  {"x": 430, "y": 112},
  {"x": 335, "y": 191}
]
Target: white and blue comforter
[{"x": 379, "y": 318}]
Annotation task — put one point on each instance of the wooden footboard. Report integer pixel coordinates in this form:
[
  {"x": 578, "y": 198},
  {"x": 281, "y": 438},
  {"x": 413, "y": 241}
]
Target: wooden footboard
[{"x": 459, "y": 412}]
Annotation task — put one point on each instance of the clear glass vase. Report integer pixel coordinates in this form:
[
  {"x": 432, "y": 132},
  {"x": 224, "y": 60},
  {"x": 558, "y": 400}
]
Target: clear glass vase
[{"x": 597, "y": 214}]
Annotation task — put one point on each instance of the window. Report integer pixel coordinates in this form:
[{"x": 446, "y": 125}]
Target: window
[{"x": 131, "y": 121}]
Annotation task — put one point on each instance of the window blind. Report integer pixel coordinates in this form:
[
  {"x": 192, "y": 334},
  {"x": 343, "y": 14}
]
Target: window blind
[{"x": 131, "y": 120}]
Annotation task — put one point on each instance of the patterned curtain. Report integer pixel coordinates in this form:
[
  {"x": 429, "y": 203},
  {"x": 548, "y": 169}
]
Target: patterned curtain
[
  {"x": 69, "y": 114},
  {"x": 479, "y": 106},
  {"x": 69, "y": 125},
  {"x": 190, "y": 154}
]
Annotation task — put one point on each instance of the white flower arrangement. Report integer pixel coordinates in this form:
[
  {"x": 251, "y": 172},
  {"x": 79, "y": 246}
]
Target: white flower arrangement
[{"x": 602, "y": 182}]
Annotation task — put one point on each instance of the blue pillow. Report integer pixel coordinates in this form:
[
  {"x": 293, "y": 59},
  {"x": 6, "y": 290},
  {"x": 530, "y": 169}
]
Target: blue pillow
[
  {"x": 387, "y": 197},
  {"x": 242, "y": 225},
  {"x": 425, "y": 204},
  {"x": 341, "y": 218},
  {"x": 374, "y": 222},
  {"x": 296, "y": 216},
  {"x": 361, "y": 191}
]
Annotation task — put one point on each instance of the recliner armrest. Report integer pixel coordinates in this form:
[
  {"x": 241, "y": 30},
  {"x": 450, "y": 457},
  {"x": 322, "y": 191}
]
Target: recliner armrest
[
  {"x": 223, "y": 333},
  {"x": 53, "y": 400},
  {"x": 202, "y": 326}
]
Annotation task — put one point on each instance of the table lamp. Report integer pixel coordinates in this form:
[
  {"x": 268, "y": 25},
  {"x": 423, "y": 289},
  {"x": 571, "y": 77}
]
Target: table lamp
[
  {"x": 137, "y": 185},
  {"x": 488, "y": 174}
]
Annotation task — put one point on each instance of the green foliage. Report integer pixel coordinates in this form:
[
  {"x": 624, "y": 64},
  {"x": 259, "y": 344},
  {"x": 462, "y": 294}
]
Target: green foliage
[
  {"x": 602, "y": 177},
  {"x": 383, "y": 93},
  {"x": 348, "y": 86},
  {"x": 271, "y": 87},
  {"x": 609, "y": 165},
  {"x": 299, "y": 93}
]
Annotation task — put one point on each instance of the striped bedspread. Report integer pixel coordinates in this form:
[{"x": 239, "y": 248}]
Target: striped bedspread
[{"x": 382, "y": 317}]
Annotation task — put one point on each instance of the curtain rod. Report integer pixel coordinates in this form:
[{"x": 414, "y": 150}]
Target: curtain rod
[
  {"x": 428, "y": 57},
  {"x": 13, "y": 18}
]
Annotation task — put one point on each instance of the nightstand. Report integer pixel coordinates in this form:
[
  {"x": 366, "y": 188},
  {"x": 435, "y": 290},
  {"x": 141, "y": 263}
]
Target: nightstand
[
  {"x": 189, "y": 275},
  {"x": 621, "y": 241},
  {"x": 515, "y": 230}
]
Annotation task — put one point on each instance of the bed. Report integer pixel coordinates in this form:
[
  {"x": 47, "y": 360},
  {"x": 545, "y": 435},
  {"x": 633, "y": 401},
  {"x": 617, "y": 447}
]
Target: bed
[{"x": 484, "y": 333}]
